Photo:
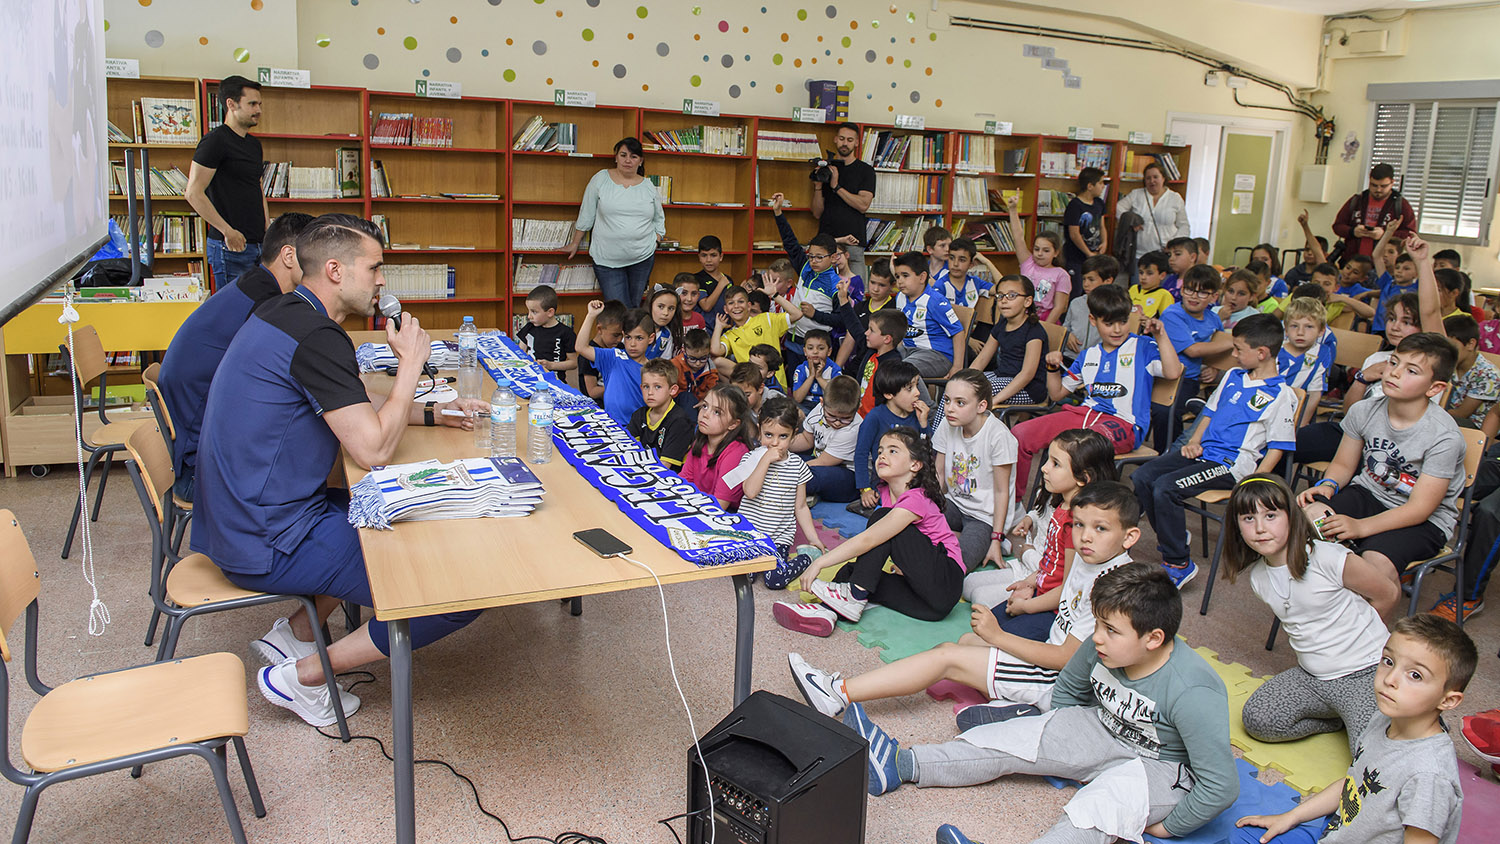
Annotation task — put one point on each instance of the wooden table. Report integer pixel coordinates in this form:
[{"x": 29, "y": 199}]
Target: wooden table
[{"x": 423, "y": 568}]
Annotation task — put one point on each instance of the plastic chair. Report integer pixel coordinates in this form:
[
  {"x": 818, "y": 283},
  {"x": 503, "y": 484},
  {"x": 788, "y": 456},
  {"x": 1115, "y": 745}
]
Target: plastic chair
[
  {"x": 89, "y": 364},
  {"x": 182, "y": 588},
  {"x": 118, "y": 719},
  {"x": 1451, "y": 557}
]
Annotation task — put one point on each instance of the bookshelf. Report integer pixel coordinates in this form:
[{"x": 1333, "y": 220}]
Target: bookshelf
[
  {"x": 185, "y": 252},
  {"x": 780, "y": 168}
]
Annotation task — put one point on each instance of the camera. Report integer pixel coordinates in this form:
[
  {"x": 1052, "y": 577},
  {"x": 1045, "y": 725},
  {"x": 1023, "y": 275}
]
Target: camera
[{"x": 822, "y": 173}]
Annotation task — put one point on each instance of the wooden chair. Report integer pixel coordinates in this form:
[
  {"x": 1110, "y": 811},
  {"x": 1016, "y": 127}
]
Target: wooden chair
[
  {"x": 1202, "y": 501},
  {"x": 181, "y": 509},
  {"x": 118, "y": 719},
  {"x": 89, "y": 364},
  {"x": 966, "y": 319},
  {"x": 1344, "y": 321},
  {"x": 986, "y": 312},
  {"x": 1451, "y": 557},
  {"x": 182, "y": 588},
  {"x": 1056, "y": 335},
  {"x": 1163, "y": 392}
]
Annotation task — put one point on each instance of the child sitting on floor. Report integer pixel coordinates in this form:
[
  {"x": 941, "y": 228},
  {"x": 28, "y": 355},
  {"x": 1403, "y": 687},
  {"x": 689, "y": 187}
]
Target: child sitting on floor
[
  {"x": 1403, "y": 784},
  {"x": 773, "y": 483},
  {"x": 751, "y": 381},
  {"x": 814, "y": 373},
  {"x": 689, "y": 290},
  {"x": 620, "y": 368},
  {"x": 662, "y": 424},
  {"x": 666, "y": 316},
  {"x": 1139, "y": 716},
  {"x": 829, "y": 435},
  {"x": 1024, "y": 595},
  {"x": 907, "y": 532},
  {"x": 976, "y": 454},
  {"x": 1328, "y": 600},
  {"x": 899, "y": 386},
  {"x": 696, "y": 374},
  {"x": 725, "y": 431},
  {"x": 609, "y": 328}
]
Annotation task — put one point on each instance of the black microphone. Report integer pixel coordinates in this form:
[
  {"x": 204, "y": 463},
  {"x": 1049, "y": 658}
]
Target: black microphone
[{"x": 390, "y": 308}]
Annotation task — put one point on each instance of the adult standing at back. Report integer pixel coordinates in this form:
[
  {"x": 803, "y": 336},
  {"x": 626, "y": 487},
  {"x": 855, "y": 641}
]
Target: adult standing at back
[
  {"x": 1162, "y": 210},
  {"x": 1365, "y": 216},
  {"x": 840, "y": 203},
  {"x": 623, "y": 210},
  {"x": 224, "y": 184}
]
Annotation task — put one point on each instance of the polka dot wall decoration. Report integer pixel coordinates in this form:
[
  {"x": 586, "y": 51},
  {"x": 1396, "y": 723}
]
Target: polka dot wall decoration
[
  {"x": 241, "y": 55},
  {"x": 779, "y": 89},
  {"x": 619, "y": 71},
  {"x": 454, "y": 55},
  {"x": 745, "y": 30},
  {"x": 202, "y": 40},
  {"x": 727, "y": 60},
  {"x": 549, "y": 80},
  {"x": 509, "y": 75},
  {"x": 509, "y": 42},
  {"x": 831, "y": 12},
  {"x": 854, "y": 24},
  {"x": 785, "y": 37},
  {"x": 588, "y": 35},
  {"x": 801, "y": 14},
  {"x": 371, "y": 61},
  {"x": 539, "y": 47},
  {"x": 257, "y": 5},
  {"x": 426, "y": 72},
  {"x": 641, "y": 12},
  {"x": 870, "y": 55},
  {"x": 409, "y": 43},
  {"x": 596, "y": 62},
  {"x": 776, "y": 59},
  {"x": 734, "y": 91},
  {"x": 154, "y": 38},
  {"x": 379, "y": 30},
  {"x": 484, "y": 53},
  {"x": 697, "y": 37},
  {"x": 662, "y": 49},
  {"x": 695, "y": 80},
  {"x": 846, "y": 41},
  {"x": 723, "y": 26}
]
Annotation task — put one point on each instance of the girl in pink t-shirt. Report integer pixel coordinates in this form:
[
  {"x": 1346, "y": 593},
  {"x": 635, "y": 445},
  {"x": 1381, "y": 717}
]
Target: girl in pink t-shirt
[
  {"x": 724, "y": 436},
  {"x": 1054, "y": 285},
  {"x": 907, "y": 558}
]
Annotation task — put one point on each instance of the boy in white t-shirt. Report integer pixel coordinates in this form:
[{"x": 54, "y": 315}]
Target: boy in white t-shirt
[
  {"x": 828, "y": 438},
  {"x": 976, "y": 455}
]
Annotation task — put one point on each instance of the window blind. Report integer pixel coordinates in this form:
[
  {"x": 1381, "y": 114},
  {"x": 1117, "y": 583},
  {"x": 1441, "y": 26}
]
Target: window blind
[{"x": 1444, "y": 156}]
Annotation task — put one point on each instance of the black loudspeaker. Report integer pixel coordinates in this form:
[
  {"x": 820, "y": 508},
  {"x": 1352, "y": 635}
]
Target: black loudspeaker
[{"x": 781, "y": 773}]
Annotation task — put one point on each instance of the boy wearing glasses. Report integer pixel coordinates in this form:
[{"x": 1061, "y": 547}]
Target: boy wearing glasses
[
  {"x": 817, "y": 279},
  {"x": 827, "y": 441},
  {"x": 696, "y": 374},
  {"x": 1191, "y": 324}
]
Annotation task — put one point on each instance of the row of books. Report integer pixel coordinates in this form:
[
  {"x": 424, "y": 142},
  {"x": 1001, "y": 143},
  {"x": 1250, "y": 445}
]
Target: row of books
[
  {"x": 540, "y": 234},
  {"x": 168, "y": 182},
  {"x": 1071, "y": 163},
  {"x": 408, "y": 130},
  {"x": 887, "y": 150},
  {"x": 663, "y": 186},
  {"x": 420, "y": 281},
  {"x": 1135, "y": 163},
  {"x": 898, "y": 235},
  {"x": 715, "y": 140},
  {"x": 159, "y": 120},
  {"x": 973, "y": 195},
  {"x": 988, "y": 235},
  {"x": 1052, "y": 203},
  {"x": 900, "y": 192},
  {"x": 537, "y": 135},
  {"x": 975, "y": 153},
  {"x": 172, "y": 232},
  {"x": 518, "y": 322},
  {"x": 787, "y": 146},
  {"x": 564, "y": 278},
  {"x": 380, "y": 184}
]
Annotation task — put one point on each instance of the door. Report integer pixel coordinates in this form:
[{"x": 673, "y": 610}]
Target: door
[{"x": 1240, "y": 195}]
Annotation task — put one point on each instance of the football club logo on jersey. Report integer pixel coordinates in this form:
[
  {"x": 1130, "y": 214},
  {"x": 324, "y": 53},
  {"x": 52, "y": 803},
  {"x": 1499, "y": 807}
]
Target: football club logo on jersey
[
  {"x": 1127, "y": 360},
  {"x": 1260, "y": 400}
]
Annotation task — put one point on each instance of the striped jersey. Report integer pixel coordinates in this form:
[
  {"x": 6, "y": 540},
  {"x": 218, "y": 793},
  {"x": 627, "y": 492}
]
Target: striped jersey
[
  {"x": 930, "y": 321},
  {"x": 1309, "y": 370},
  {"x": 774, "y": 511},
  {"x": 967, "y": 292},
  {"x": 1118, "y": 381},
  {"x": 1247, "y": 417}
]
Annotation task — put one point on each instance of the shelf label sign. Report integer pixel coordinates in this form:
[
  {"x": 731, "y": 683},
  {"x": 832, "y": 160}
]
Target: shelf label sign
[
  {"x": 1055, "y": 64},
  {"x": 1037, "y": 51},
  {"x": 439, "y": 90},
  {"x": 809, "y": 115},
  {"x": 1072, "y": 81},
  {"x": 283, "y": 77},
  {"x": 1080, "y": 133},
  {"x": 704, "y": 108},
  {"x": 911, "y": 121},
  {"x": 1176, "y": 141},
  {"x": 1139, "y": 138},
  {"x": 122, "y": 68},
  {"x": 997, "y": 127},
  {"x": 580, "y": 99}
]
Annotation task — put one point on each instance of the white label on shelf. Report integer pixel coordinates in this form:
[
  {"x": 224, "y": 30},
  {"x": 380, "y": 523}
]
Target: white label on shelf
[
  {"x": 1175, "y": 141},
  {"x": 1037, "y": 51},
  {"x": 1080, "y": 133},
  {"x": 1055, "y": 64},
  {"x": 809, "y": 115},
  {"x": 706, "y": 108},
  {"x": 1139, "y": 138},
  {"x": 440, "y": 90},
  {"x": 997, "y": 127},
  {"x": 911, "y": 121},
  {"x": 283, "y": 77},
  {"x": 122, "y": 68},
  {"x": 1072, "y": 81},
  {"x": 579, "y": 154},
  {"x": 565, "y": 97}
]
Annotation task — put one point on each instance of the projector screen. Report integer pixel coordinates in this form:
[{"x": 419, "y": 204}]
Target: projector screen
[{"x": 52, "y": 144}]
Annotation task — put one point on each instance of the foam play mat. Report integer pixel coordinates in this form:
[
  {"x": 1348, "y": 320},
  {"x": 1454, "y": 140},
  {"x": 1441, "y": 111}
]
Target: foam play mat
[{"x": 1256, "y": 798}]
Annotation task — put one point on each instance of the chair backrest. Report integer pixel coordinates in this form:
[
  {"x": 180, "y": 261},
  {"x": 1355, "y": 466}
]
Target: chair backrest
[
  {"x": 1344, "y": 320},
  {"x": 1354, "y": 347},
  {"x": 88, "y": 354},
  {"x": 1224, "y": 361},
  {"x": 1492, "y": 358},
  {"x": 151, "y": 377},
  {"x": 148, "y": 449},
  {"x": 1164, "y": 391},
  {"x": 1474, "y": 443},
  {"x": 19, "y": 581},
  {"x": 965, "y": 317},
  {"x": 1055, "y": 336}
]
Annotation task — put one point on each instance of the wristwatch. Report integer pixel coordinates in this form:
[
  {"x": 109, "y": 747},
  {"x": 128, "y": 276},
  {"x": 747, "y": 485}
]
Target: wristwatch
[{"x": 427, "y": 417}]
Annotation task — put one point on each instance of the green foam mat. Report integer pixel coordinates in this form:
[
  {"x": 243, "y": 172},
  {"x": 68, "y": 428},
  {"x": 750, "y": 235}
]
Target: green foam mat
[{"x": 899, "y": 636}]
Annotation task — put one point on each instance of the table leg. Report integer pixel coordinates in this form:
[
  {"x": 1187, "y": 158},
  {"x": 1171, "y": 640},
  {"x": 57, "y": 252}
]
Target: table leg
[
  {"x": 744, "y": 636},
  {"x": 399, "y": 632}
]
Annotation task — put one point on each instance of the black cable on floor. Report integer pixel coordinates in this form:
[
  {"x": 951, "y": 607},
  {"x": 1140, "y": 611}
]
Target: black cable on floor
[
  {"x": 667, "y": 822},
  {"x": 568, "y": 837}
]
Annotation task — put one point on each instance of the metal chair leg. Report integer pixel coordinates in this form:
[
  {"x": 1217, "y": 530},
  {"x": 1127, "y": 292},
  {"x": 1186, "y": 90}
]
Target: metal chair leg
[
  {"x": 151, "y": 628},
  {"x": 1213, "y": 572},
  {"x": 1271, "y": 639},
  {"x": 250, "y": 784},
  {"x": 226, "y": 797},
  {"x": 103, "y": 481},
  {"x": 1203, "y": 515},
  {"x": 577, "y": 607},
  {"x": 88, "y": 475},
  {"x": 321, "y": 640},
  {"x": 27, "y": 813},
  {"x": 353, "y": 616}
]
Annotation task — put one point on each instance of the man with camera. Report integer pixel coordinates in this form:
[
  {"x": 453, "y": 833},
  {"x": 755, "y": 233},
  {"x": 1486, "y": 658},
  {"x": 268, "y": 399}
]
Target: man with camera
[{"x": 842, "y": 192}]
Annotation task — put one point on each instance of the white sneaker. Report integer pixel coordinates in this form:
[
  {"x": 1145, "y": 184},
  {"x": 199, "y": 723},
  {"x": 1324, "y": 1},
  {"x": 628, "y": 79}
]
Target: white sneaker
[
  {"x": 819, "y": 688},
  {"x": 812, "y": 619},
  {"x": 281, "y": 644},
  {"x": 840, "y": 599},
  {"x": 279, "y": 685}
]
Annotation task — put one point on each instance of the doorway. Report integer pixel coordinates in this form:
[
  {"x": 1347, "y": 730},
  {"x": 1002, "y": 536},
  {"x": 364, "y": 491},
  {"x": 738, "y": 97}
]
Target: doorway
[{"x": 1236, "y": 176}]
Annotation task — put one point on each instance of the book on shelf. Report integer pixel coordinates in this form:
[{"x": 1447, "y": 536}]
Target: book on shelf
[
  {"x": 404, "y": 129},
  {"x": 380, "y": 186},
  {"x": 1052, "y": 203},
  {"x": 902, "y": 192},
  {"x": 713, "y": 140},
  {"x": 786, "y": 146},
  {"x": 988, "y": 235},
  {"x": 663, "y": 186},
  {"x": 172, "y": 232},
  {"x": 1005, "y": 200},
  {"x": 975, "y": 154},
  {"x": 420, "y": 281},
  {"x": 898, "y": 235},
  {"x": 537, "y": 135},
  {"x": 1094, "y": 155},
  {"x": 168, "y": 120},
  {"x": 349, "y": 170},
  {"x": 540, "y": 235},
  {"x": 283, "y": 180},
  {"x": 164, "y": 182},
  {"x": 384, "y": 224},
  {"x": 1013, "y": 160},
  {"x": 564, "y": 278},
  {"x": 831, "y": 97},
  {"x": 117, "y": 135},
  {"x": 971, "y": 195}
]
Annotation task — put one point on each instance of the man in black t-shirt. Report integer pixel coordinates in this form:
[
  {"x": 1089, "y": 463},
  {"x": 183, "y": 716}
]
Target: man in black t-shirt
[
  {"x": 224, "y": 184},
  {"x": 840, "y": 204}
]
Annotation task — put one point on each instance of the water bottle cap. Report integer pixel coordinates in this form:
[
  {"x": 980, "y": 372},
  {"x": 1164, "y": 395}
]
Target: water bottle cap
[
  {"x": 468, "y": 319},
  {"x": 502, "y": 382}
]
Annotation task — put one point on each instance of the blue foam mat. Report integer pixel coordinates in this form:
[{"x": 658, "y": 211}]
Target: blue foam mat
[
  {"x": 1256, "y": 798},
  {"x": 835, "y": 516}
]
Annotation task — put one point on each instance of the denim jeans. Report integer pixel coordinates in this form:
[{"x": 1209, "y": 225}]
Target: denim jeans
[
  {"x": 227, "y": 265},
  {"x": 627, "y": 284}
]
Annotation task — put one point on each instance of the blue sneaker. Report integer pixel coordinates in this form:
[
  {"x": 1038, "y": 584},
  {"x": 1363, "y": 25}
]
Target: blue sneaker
[
  {"x": 992, "y": 713},
  {"x": 1181, "y": 575},
  {"x": 950, "y": 834},
  {"x": 781, "y": 576},
  {"x": 883, "y": 748}
]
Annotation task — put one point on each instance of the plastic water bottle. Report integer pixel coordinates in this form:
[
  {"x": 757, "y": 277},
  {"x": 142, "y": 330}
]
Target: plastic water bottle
[
  {"x": 539, "y": 435},
  {"x": 468, "y": 359},
  {"x": 502, "y": 420}
]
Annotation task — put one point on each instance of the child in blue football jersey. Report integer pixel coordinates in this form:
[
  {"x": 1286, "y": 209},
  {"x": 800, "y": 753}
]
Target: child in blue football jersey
[
  {"x": 1192, "y": 325},
  {"x": 934, "y": 332},
  {"x": 619, "y": 368},
  {"x": 1116, "y": 376},
  {"x": 1307, "y": 355},
  {"x": 1251, "y": 413},
  {"x": 958, "y": 284}
]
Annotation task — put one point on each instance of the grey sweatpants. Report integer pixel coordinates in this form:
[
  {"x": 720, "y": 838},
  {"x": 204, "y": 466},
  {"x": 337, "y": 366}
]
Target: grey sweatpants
[
  {"x": 1294, "y": 704},
  {"x": 1075, "y": 745},
  {"x": 930, "y": 363}
]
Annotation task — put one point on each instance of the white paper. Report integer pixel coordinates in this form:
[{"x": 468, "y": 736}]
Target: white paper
[
  {"x": 283, "y": 77},
  {"x": 439, "y": 90},
  {"x": 1244, "y": 181},
  {"x": 706, "y": 108},
  {"x": 122, "y": 68},
  {"x": 564, "y": 97},
  {"x": 1244, "y": 203}
]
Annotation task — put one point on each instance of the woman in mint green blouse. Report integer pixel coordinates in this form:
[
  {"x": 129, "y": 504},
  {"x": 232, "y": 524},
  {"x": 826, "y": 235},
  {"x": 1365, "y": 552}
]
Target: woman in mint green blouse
[{"x": 624, "y": 211}]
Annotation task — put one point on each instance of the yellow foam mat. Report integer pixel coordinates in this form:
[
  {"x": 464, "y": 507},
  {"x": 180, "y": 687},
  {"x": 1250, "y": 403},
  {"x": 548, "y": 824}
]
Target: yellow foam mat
[{"x": 1307, "y": 765}]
